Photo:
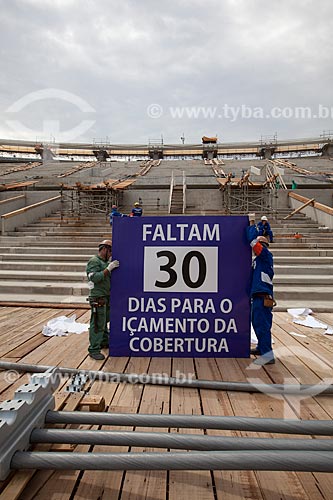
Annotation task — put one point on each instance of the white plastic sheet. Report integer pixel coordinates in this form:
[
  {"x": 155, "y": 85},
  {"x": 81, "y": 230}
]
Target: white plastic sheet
[
  {"x": 300, "y": 312},
  {"x": 310, "y": 321},
  {"x": 62, "y": 326},
  {"x": 254, "y": 339},
  {"x": 302, "y": 317}
]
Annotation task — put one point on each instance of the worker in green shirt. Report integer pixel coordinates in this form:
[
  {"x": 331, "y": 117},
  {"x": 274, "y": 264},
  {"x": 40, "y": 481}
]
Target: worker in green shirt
[{"x": 98, "y": 271}]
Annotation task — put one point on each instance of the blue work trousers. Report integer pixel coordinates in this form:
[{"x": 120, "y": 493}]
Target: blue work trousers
[{"x": 262, "y": 318}]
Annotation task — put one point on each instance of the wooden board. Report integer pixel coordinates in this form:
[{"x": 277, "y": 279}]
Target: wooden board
[{"x": 306, "y": 359}]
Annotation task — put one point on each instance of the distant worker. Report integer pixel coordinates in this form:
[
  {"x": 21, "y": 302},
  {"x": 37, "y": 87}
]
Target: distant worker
[
  {"x": 115, "y": 213},
  {"x": 264, "y": 229},
  {"x": 262, "y": 300},
  {"x": 293, "y": 184},
  {"x": 136, "y": 210},
  {"x": 98, "y": 270}
]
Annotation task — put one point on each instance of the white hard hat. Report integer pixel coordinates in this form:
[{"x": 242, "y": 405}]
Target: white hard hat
[
  {"x": 264, "y": 217},
  {"x": 263, "y": 239}
]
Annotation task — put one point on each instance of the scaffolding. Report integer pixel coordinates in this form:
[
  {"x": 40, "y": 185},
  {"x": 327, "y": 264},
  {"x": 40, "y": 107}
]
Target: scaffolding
[
  {"x": 241, "y": 195},
  {"x": 78, "y": 201},
  {"x": 245, "y": 198}
]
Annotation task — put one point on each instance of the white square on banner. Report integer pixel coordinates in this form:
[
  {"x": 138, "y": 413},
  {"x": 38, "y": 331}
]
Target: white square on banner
[{"x": 180, "y": 269}]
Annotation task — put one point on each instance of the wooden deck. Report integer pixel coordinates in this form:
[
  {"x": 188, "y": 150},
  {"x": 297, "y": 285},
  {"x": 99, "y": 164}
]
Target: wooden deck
[{"x": 300, "y": 359}]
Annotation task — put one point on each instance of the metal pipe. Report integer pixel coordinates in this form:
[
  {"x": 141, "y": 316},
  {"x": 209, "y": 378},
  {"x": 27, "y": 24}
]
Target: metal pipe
[
  {"x": 134, "y": 378},
  {"x": 174, "y": 441},
  {"x": 313, "y": 427},
  {"x": 308, "y": 461}
]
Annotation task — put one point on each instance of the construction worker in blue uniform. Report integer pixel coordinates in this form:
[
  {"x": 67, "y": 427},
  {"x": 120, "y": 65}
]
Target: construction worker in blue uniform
[
  {"x": 264, "y": 228},
  {"x": 136, "y": 210},
  {"x": 115, "y": 213},
  {"x": 262, "y": 300}
]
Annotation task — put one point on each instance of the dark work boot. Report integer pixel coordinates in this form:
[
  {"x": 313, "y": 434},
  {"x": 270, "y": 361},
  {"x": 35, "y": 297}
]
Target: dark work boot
[
  {"x": 255, "y": 351},
  {"x": 97, "y": 355}
]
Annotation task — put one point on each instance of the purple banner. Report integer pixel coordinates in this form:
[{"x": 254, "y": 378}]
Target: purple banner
[{"x": 182, "y": 288}]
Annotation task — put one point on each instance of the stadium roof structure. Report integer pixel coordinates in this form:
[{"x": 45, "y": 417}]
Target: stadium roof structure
[{"x": 262, "y": 148}]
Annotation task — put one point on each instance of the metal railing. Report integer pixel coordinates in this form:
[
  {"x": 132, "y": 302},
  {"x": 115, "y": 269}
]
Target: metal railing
[
  {"x": 172, "y": 185},
  {"x": 184, "y": 192}
]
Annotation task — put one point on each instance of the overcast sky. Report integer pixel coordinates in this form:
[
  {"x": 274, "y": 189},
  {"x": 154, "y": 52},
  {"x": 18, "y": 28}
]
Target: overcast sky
[{"x": 130, "y": 71}]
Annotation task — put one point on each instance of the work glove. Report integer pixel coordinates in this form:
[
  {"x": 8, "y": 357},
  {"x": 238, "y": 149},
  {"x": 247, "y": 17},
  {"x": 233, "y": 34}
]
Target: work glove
[{"x": 113, "y": 265}]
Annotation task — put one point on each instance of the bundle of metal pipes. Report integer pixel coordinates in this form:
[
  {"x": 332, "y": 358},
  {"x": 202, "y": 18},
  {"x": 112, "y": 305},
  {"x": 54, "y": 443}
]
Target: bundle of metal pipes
[
  {"x": 21, "y": 420},
  {"x": 235, "y": 453}
]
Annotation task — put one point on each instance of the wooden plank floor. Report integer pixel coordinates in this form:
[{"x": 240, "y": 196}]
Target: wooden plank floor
[{"x": 303, "y": 358}]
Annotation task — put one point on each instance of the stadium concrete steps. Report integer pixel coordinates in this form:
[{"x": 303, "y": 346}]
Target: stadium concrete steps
[
  {"x": 303, "y": 266},
  {"x": 305, "y": 279},
  {"x": 299, "y": 261},
  {"x": 42, "y": 258},
  {"x": 40, "y": 288},
  {"x": 45, "y": 261},
  {"x": 60, "y": 233},
  {"x": 281, "y": 270},
  {"x": 309, "y": 251},
  {"x": 177, "y": 200},
  {"x": 43, "y": 275},
  {"x": 64, "y": 250},
  {"x": 316, "y": 305}
]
